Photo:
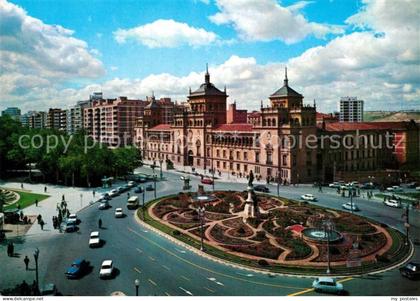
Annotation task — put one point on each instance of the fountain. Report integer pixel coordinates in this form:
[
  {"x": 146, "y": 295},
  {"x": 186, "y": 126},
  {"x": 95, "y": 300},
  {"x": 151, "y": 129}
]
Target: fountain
[{"x": 320, "y": 235}]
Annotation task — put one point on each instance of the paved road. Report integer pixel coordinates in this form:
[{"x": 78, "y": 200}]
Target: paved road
[{"x": 164, "y": 268}]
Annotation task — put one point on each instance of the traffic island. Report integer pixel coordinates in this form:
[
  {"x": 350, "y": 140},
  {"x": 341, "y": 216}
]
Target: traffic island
[{"x": 281, "y": 236}]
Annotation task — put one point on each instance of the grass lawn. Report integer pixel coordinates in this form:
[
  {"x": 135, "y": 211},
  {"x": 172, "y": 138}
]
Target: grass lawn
[{"x": 26, "y": 199}]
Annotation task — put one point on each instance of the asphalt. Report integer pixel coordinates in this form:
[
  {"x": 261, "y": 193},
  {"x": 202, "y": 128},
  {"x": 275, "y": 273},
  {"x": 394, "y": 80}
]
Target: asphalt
[{"x": 164, "y": 268}]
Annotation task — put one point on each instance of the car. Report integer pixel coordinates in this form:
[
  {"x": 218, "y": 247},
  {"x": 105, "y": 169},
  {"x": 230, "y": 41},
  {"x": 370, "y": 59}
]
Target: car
[
  {"x": 395, "y": 189},
  {"x": 72, "y": 218},
  {"x": 149, "y": 187},
  {"x": 418, "y": 188},
  {"x": 49, "y": 289},
  {"x": 70, "y": 227},
  {"x": 104, "y": 205},
  {"x": 77, "y": 268},
  {"x": 94, "y": 240},
  {"x": 120, "y": 189},
  {"x": 139, "y": 189},
  {"x": 334, "y": 185},
  {"x": 142, "y": 180},
  {"x": 113, "y": 193},
  {"x": 411, "y": 270},
  {"x": 261, "y": 188},
  {"x": 348, "y": 206},
  {"x": 119, "y": 212},
  {"x": 392, "y": 203},
  {"x": 207, "y": 181},
  {"x": 367, "y": 186},
  {"x": 133, "y": 202},
  {"x": 107, "y": 269},
  {"x": 308, "y": 197},
  {"x": 411, "y": 185},
  {"x": 131, "y": 184},
  {"x": 327, "y": 285},
  {"x": 105, "y": 196},
  {"x": 354, "y": 184}
]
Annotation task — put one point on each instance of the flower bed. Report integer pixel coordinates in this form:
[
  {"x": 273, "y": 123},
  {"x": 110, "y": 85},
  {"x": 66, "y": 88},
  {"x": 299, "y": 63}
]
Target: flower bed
[
  {"x": 160, "y": 211},
  {"x": 218, "y": 234},
  {"x": 353, "y": 224},
  {"x": 263, "y": 249}
]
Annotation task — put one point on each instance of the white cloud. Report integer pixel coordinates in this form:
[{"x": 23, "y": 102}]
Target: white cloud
[
  {"x": 166, "y": 33},
  {"x": 35, "y": 55},
  {"x": 267, "y": 20}
]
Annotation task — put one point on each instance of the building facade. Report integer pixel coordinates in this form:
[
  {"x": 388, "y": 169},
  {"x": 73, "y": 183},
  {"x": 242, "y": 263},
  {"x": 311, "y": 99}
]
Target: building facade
[
  {"x": 13, "y": 112},
  {"x": 351, "y": 109},
  {"x": 201, "y": 137}
]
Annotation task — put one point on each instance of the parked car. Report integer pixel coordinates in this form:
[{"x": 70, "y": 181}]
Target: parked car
[
  {"x": 119, "y": 212},
  {"x": 354, "y": 184},
  {"x": 104, "y": 205},
  {"x": 49, "y": 289},
  {"x": 107, "y": 269},
  {"x": 120, "y": 189},
  {"x": 334, "y": 185},
  {"x": 149, "y": 187},
  {"x": 411, "y": 270},
  {"x": 139, "y": 189},
  {"x": 113, "y": 193},
  {"x": 142, "y": 180},
  {"x": 207, "y": 181},
  {"x": 348, "y": 206},
  {"x": 418, "y": 188},
  {"x": 72, "y": 218},
  {"x": 77, "y": 268},
  {"x": 70, "y": 227},
  {"x": 105, "y": 196},
  {"x": 261, "y": 188},
  {"x": 393, "y": 203},
  {"x": 308, "y": 197},
  {"x": 327, "y": 285},
  {"x": 131, "y": 184},
  {"x": 395, "y": 189},
  {"x": 94, "y": 240}
]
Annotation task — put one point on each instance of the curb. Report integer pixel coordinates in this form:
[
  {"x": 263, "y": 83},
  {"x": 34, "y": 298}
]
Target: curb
[{"x": 261, "y": 271}]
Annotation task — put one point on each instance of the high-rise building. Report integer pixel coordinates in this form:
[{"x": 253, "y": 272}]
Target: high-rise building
[
  {"x": 351, "y": 109},
  {"x": 74, "y": 116},
  {"x": 37, "y": 120},
  {"x": 13, "y": 112},
  {"x": 54, "y": 119}
]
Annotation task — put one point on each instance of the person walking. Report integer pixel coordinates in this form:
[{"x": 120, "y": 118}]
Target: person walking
[
  {"x": 9, "y": 249},
  {"x": 21, "y": 185},
  {"x": 36, "y": 202},
  {"x": 93, "y": 192},
  {"x": 45, "y": 189},
  {"x": 26, "y": 261},
  {"x": 42, "y": 223},
  {"x": 63, "y": 198},
  {"x": 12, "y": 249}
]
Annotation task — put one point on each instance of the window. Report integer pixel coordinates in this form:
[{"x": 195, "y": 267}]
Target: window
[
  {"x": 269, "y": 158},
  {"x": 224, "y": 153},
  {"x": 245, "y": 168},
  {"x": 257, "y": 169},
  {"x": 257, "y": 157},
  {"x": 238, "y": 155},
  {"x": 224, "y": 164},
  {"x": 217, "y": 164},
  {"x": 238, "y": 167},
  {"x": 245, "y": 156},
  {"x": 218, "y": 153}
]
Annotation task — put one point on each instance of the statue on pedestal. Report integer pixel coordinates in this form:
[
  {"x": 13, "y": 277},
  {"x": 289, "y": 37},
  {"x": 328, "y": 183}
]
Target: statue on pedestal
[{"x": 251, "y": 205}]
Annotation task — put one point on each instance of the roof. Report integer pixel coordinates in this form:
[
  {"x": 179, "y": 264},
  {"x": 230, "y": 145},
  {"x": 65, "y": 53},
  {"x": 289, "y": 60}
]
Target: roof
[
  {"x": 107, "y": 262},
  {"x": 207, "y": 89},
  {"x": 161, "y": 127},
  {"x": 254, "y": 114},
  {"x": 296, "y": 228},
  {"x": 152, "y": 105},
  {"x": 285, "y": 91},
  {"x": 234, "y": 127},
  {"x": 353, "y": 126}
]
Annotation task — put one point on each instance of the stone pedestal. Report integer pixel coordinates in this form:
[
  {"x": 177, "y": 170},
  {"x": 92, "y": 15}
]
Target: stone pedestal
[{"x": 251, "y": 208}]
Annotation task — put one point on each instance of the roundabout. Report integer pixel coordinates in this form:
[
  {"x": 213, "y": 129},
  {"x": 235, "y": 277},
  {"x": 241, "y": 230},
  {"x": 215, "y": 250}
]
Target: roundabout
[{"x": 276, "y": 235}]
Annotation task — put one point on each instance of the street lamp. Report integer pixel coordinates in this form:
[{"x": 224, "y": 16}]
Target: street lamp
[
  {"x": 328, "y": 227},
  {"x": 278, "y": 184},
  {"x": 154, "y": 184},
  {"x": 407, "y": 223},
  {"x": 351, "y": 198},
  {"x": 161, "y": 174},
  {"x": 142, "y": 205},
  {"x": 137, "y": 284},
  {"x": 36, "y": 255},
  {"x": 201, "y": 211}
]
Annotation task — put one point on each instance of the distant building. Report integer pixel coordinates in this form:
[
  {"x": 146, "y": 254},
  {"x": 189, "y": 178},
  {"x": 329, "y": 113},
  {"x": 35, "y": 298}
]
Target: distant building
[
  {"x": 234, "y": 115},
  {"x": 351, "y": 109},
  {"x": 34, "y": 119},
  {"x": 54, "y": 119},
  {"x": 74, "y": 116},
  {"x": 13, "y": 112}
]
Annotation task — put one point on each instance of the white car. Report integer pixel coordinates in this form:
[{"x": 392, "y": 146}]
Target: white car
[
  {"x": 348, "y": 206},
  {"x": 113, "y": 192},
  {"x": 119, "y": 212},
  {"x": 394, "y": 189},
  {"x": 327, "y": 285},
  {"x": 354, "y": 184},
  {"x": 393, "y": 203},
  {"x": 418, "y": 188},
  {"x": 107, "y": 269},
  {"x": 72, "y": 219},
  {"x": 334, "y": 185},
  {"x": 308, "y": 197},
  {"x": 131, "y": 184},
  {"x": 94, "y": 240}
]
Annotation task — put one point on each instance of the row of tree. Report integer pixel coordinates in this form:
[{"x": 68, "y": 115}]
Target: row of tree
[{"x": 75, "y": 160}]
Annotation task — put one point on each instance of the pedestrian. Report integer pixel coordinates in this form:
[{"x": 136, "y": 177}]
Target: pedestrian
[
  {"x": 128, "y": 194},
  {"x": 21, "y": 185},
  {"x": 36, "y": 202},
  {"x": 8, "y": 249},
  {"x": 39, "y": 218},
  {"x": 35, "y": 290},
  {"x": 63, "y": 198},
  {"x": 100, "y": 223},
  {"x": 45, "y": 188},
  {"x": 54, "y": 222},
  {"x": 42, "y": 223},
  {"x": 21, "y": 215},
  {"x": 26, "y": 261},
  {"x": 93, "y": 192},
  {"x": 12, "y": 249}
]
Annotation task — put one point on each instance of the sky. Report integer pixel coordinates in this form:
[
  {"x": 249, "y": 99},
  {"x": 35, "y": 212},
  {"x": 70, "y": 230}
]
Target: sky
[{"x": 54, "y": 53}]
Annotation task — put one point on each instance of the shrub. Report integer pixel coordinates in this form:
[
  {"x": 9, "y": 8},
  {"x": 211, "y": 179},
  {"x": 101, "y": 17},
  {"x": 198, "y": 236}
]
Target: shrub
[
  {"x": 176, "y": 232},
  {"x": 263, "y": 262},
  {"x": 260, "y": 235}
]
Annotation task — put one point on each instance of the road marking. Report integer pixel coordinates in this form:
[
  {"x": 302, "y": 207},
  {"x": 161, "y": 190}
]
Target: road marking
[
  {"x": 184, "y": 290},
  {"x": 209, "y": 289},
  {"x": 140, "y": 251},
  {"x": 246, "y": 275},
  {"x": 181, "y": 251},
  {"x": 151, "y": 258},
  {"x": 152, "y": 282},
  {"x": 167, "y": 294},
  {"x": 137, "y": 270},
  {"x": 185, "y": 278},
  {"x": 219, "y": 283},
  {"x": 311, "y": 289},
  {"x": 207, "y": 269},
  {"x": 165, "y": 267}
]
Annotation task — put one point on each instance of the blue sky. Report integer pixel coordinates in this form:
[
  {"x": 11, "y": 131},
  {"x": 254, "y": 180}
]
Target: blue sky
[{"x": 333, "y": 48}]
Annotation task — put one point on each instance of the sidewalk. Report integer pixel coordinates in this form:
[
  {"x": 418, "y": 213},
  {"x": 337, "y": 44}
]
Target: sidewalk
[{"x": 77, "y": 198}]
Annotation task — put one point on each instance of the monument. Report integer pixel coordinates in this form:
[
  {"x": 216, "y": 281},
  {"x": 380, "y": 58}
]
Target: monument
[{"x": 251, "y": 206}]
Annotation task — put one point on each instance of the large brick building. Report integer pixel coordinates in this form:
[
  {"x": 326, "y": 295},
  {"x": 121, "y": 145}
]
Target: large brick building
[{"x": 201, "y": 137}]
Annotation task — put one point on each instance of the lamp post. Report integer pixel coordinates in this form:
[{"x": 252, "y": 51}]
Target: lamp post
[
  {"x": 137, "y": 284},
  {"x": 328, "y": 225},
  {"x": 201, "y": 211},
  {"x": 160, "y": 163},
  {"x": 142, "y": 203},
  {"x": 154, "y": 184},
  {"x": 36, "y": 255},
  {"x": 278, "y": 184},
  {"x": 407, "y": 223},
  {"x": 351, "y": 198}
]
